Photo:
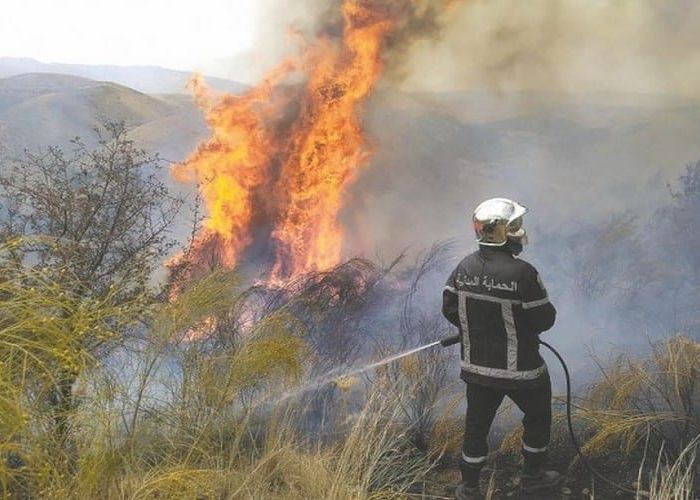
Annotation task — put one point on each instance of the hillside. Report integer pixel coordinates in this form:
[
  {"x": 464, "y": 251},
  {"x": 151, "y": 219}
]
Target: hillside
[
  {"x": 149, "y": 79},
  {"x": 37, "y": 110}
]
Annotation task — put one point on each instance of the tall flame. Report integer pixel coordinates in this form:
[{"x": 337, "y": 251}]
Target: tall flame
[
  {"x": 328, "y": 145},
  {"x": 232, "y": 164},
  {"x": 281, "y": 156}
]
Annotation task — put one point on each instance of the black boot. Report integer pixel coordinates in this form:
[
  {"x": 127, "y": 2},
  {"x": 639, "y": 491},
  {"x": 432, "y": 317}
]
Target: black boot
[
  {"x": 536, "y": 474},
  {"x": 540, "y": 480},
  {"x": 469, "y": 489},
  {"x": 466, "y": 492}
]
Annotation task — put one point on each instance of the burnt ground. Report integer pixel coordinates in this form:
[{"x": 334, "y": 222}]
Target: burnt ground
[
  {"x": 503, "y": 470},
  {"x": 503, "y": 473}
]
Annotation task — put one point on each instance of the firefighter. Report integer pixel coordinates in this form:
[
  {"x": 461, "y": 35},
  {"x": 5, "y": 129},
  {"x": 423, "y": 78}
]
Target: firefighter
[{"x": 500, "y": 306}]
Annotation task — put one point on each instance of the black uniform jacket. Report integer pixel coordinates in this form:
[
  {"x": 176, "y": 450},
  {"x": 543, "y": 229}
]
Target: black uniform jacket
[{"x": 500, "y": 305}]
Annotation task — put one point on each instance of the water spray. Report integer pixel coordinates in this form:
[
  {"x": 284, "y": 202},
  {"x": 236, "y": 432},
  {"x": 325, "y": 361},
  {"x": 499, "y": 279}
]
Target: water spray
[
  {"x": 446, "y": 342},
  {"x": 344, "y": 380}
]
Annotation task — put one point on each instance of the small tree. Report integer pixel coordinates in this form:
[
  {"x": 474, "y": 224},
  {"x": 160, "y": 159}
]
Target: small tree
[{"x": 102, "y": 216}]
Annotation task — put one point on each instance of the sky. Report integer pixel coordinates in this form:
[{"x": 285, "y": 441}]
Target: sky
[{"x": 192, "y": 35}]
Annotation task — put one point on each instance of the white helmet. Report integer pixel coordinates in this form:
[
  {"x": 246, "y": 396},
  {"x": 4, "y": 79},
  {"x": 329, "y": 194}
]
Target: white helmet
[{"x": 498, "y": 219}]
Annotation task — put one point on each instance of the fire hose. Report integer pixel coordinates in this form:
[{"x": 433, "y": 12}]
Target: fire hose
[{"x": 574, "y": 440}]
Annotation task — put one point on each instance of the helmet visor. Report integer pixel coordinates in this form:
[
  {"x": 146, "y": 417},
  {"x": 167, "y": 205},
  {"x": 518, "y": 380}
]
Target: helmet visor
[
  {"x": 516, "y": 231},
  {"x": 515, "y": 225}
]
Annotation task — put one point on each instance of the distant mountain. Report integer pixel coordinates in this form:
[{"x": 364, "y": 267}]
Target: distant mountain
[
  {"x": 38, "y": 110},
  {"x": 148, "y": 79}
]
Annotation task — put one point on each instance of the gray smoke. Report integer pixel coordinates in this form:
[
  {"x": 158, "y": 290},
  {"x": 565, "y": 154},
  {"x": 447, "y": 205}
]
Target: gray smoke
[
  {"x": 642, "y": 46},
  {"x": 578, "y": 46},
  {"x": 416, "y": 20}
]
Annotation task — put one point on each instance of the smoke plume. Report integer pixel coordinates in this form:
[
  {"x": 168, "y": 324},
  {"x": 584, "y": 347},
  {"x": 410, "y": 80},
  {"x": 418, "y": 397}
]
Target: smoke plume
[
  {"x": 280, "y": 21},
  {"x": 641, "y": 46}
]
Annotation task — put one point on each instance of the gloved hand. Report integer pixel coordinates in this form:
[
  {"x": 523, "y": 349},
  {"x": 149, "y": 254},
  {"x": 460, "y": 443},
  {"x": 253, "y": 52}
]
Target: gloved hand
[{"x": 448, "y": 341}]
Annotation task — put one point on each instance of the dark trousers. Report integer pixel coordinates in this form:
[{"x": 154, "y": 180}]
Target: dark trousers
[{"x": 482, "y": 404}]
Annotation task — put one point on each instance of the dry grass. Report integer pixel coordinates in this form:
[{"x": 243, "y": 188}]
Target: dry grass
[
  {"x": 676, "y": 480},
  {"x": 657, "y": 396}
]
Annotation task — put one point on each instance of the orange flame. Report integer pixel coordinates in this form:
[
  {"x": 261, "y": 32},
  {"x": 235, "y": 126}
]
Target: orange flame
[
  {"x": 328, "y": 144},
  {"x": 277, "y": 163},
  {"x": 233, "y": 163}
]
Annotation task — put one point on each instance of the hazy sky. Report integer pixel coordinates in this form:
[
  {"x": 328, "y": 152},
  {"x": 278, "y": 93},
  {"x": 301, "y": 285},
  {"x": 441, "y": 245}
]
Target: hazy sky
[
  {"x": 637, "y": 46},
  {"x": 172, "y": 33}
]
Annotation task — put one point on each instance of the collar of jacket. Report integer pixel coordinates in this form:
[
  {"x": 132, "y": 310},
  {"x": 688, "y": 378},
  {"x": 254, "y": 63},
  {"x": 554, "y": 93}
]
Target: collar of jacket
[{"x": 488, "y": 251}]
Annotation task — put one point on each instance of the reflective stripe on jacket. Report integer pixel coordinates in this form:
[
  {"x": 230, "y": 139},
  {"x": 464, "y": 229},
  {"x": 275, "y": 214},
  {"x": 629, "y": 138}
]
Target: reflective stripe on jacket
[{"x": 500, "y": 305}]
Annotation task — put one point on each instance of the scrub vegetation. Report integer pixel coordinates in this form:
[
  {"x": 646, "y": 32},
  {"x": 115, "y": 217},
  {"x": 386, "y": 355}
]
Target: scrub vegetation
[{"x": 209, "y": 386}]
